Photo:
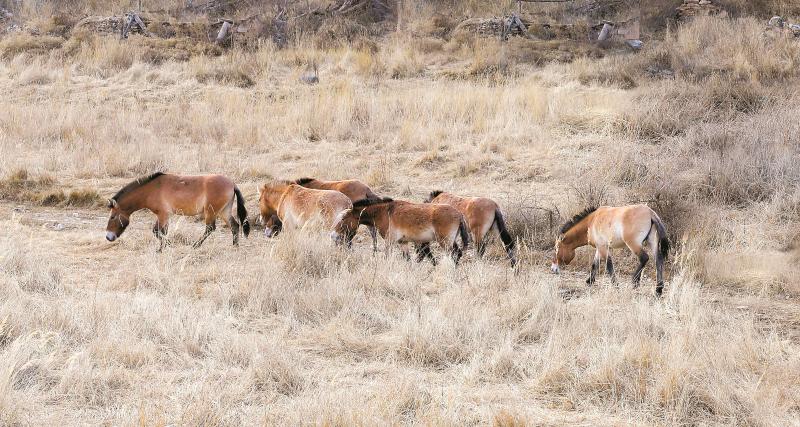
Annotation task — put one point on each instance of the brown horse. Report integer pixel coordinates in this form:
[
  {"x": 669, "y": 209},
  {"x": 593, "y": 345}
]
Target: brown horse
[
  {"x": 606, "y": 228},
  {"x": 285, "y": 204},
  {"x": 352, "y": 188},
  {"x": 400, "y": 223},
  {"x": 482, "y": 215},
  {"x": 166, "y": 194}
]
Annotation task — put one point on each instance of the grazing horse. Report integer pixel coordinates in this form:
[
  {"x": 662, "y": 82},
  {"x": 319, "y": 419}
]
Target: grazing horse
[
  {"x": 482, "y": 215},
  {"x": 163, "y": 194},
  {"x": 286, "y": 204},
  {"x": 400, "y": 223},
  {"x": 606, "y": 228},
  {"x": 352, "y": 188}
]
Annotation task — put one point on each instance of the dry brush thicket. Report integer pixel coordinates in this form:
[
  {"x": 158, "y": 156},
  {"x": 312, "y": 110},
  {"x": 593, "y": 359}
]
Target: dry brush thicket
[{"x": 295, "y": 330}]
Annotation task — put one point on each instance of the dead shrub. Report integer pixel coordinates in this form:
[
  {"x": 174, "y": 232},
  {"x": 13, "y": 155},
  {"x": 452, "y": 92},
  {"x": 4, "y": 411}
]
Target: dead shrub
[
  {"x": 11, "y": 46},
  {"x": 19, "y": 186},
  {"x": 530, "y": 223},
  {"x": 679, "y": 105},
  {"x": 235, "y": 71}
]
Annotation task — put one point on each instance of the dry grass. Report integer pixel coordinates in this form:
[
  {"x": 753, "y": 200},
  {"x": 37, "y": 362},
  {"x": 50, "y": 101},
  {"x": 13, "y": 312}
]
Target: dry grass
[{"x": 296, "y": 331}]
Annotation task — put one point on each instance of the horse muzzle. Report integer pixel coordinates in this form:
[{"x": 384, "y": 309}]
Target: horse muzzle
[
  {"x": 110, "y": 236},
  {"x": 554, "y": 269}
]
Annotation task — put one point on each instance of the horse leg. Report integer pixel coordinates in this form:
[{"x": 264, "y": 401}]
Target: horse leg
[
  {"x": 231, "y": 221},
  {"x": 424, "y": 251},
  {"x": 595, "y": 267},
  {"x": 655, "y": 250},
  {"x": 160, "y": 230},
  {"x": 456, "y": 253},
  {"x": 480, "y": 240},
  {"x": 404, "y": 249},
  {"x": 374, "y": 234},
  {"x": 637, "y": 275},
  {"x": 388, "y": 244},
  {"x": 429, "y": 254},
  {"x": 211, "y": 225},
  {"x": 610, "y": 267}
]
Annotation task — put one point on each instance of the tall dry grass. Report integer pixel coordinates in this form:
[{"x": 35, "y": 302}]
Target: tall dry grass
[
  {"x": 295, "y": 330},
  {"x": 309, "y": 333}
]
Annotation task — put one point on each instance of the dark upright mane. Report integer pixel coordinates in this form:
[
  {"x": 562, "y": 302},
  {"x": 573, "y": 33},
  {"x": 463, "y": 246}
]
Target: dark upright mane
[
  {"x": 577, "y": 218},
  {"x": 434, "y": 194},
  {"x": 136, "y": 184},
  {"x": 304, "y": 181},
  {"x": 369, "y": 202}
]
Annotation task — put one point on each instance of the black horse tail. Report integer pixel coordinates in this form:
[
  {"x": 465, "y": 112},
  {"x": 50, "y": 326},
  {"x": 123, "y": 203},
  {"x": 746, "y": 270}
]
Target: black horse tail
[
  {"x": 663, "y": 239},
  {"x": 241, "y": 211},
  {"x": 505, "y": 236},
  {"x": 462, "y": 230}
]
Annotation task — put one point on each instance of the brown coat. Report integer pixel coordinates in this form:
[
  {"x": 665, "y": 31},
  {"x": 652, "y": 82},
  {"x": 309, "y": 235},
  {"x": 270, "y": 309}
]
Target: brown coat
[
  {"x": 296, "y": 206},
  {"x": 352, "y": 188},
  {"x": 482, "y": 215},
  {"x": 636, "y": 227},
  {"x": 400, "y": 223},
  {"x": 212, "y": 196}
]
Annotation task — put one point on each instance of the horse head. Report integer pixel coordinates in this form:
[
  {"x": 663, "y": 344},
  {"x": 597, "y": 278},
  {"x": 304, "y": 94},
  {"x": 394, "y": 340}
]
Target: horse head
[{"x": 117, "y": 222}]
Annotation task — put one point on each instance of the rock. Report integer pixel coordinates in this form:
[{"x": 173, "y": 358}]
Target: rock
[
  {"x": 776, "y": 21},
  {"x": 659, "y": 73},
  {"x": 691, "y": 8},
  {"x": 310, "y": 79},
  {"x": 634, "y": 44}
]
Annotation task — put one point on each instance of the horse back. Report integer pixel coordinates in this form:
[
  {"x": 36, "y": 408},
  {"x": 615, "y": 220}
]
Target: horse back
[
  {"x": 192, "y": 194},
  {"x": 418, "y": 216},
  {"x": 354, "y": 189},
  {"x": 616, "y": 225},
  {"x": 309, "y": 203},
  {"x": 478, "y": 211}
]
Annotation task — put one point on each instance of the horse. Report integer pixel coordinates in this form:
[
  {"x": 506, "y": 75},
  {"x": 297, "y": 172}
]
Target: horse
[
  {"x": 400, "y": 223},
  {"x": 286, "y": 204},
  {"x": 352, "y": 188},
  {"x": 482, "y": 215},
  {"x": 606, "y": 228},
  {"x": 163, "y": 194}
]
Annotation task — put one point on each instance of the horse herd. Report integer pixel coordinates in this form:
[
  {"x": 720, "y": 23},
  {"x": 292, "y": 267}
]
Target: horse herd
[{"x": 341, "y": 207}]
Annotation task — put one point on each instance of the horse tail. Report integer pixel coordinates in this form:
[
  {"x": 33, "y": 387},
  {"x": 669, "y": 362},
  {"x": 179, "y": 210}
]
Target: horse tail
[
  {"x": 241, "y": 211},
  {"x": 505, "y": 236},
  {"x": 462, "y": 230},
  {"x": 663, "y": 239}
]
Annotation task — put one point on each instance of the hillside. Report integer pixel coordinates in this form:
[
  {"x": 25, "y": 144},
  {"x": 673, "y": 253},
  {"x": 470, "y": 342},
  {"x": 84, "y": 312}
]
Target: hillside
[{"x": 700, "y": 124}]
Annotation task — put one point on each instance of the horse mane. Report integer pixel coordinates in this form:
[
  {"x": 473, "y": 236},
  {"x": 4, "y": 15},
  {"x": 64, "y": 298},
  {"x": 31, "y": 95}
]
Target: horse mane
[
  {"x": 577, "y": 218},
  {"x": 369, "y": 202},
  {"x": 434, "y": 194},
  {"x": 304, "y": 180},
  {"x": 137, "y": 183}
]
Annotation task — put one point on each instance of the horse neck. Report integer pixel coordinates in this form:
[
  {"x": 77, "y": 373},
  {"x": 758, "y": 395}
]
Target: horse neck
[
  {"x": 578, "y": 235},
  {"x": 134, "y": 201},
  {"x": 315, "y": 184},
  {"x": 379, "y": 215},
  {"x": 276, "y": 197}
]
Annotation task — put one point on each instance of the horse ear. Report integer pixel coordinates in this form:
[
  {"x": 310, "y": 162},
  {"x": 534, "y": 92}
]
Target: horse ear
[{"x": 112, "y": 203}]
